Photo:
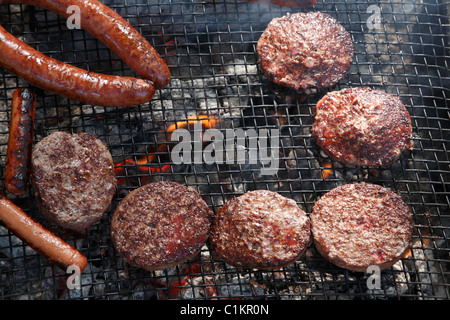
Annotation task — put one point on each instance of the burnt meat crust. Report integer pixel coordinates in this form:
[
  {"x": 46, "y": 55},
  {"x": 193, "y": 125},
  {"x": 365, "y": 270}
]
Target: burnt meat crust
[
  {"x": 160, "y": 225},
  {"x": 305, "y": 51},
  {"x": 260, "y": 229},
  {"x": 73, "y": 179},
  {"x": 362, "y": 126},
  {"x": 358, "y": 225}
]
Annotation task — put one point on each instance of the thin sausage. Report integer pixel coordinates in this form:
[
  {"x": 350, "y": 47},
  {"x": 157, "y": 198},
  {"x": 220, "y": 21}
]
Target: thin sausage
[
  {"x": 18, "y": 158},
  {"x": 69, "y": 81},
  {"x": 115, "y": 32},
  {"x": 37, "y": 237}
]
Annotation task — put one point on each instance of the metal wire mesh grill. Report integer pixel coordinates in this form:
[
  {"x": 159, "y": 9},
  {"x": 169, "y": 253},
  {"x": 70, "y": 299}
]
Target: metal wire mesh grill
[{"x": 210, "y": 47}]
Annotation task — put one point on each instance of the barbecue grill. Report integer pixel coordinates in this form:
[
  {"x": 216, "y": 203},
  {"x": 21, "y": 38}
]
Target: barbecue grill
[{"x": 401, "y": 48}]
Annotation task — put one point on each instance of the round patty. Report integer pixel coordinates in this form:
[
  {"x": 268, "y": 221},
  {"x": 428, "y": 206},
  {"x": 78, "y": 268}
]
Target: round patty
[
  {"x": 160, "y": 225},
  {"x": 358, "y": 225},
  {"x": 305, "y": 51},
  {"x": 361, "y": 126},
  {"x": 73, "y": 179},
  {"x": 261, "y": 230}
]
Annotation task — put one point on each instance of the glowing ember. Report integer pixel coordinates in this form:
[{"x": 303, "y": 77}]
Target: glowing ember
[
  {"x": 327, "y": 171},
  {"x": 143, "y": 164}
]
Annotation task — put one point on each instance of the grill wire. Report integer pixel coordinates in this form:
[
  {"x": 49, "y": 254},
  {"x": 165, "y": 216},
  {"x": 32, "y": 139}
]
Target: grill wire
[{"x": 210, "y": 47}]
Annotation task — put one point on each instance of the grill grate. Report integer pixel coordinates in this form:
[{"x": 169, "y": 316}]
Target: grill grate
[{"x": 210, "y": 47}]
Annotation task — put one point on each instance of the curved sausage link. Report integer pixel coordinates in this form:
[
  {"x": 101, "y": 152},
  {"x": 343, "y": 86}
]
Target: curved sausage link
[
  {"x": 18, "y": 156},
  {"x": 115, "y": 32},
  {"x": 69, "y": 81},
  {"x": 37, "y": 237}
]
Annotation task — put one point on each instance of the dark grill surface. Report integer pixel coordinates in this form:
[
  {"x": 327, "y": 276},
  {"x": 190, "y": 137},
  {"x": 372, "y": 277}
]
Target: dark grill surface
[{"x": 210, "y": 47}]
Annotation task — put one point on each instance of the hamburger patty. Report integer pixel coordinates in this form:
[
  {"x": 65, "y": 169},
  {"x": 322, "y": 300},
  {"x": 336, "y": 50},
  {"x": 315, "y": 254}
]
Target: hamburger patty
[
  {"x": 358, "y": 225},
  {"x": 361, "y": 126},
  {"x": 160, "y": 225},
  {"x": 260, "y": 229},
  {"x": 73, "y": 179},
  {"x": 305, "y": 51}
]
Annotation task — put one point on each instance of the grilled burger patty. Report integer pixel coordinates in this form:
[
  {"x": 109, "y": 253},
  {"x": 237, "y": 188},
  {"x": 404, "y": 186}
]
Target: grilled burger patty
[
  {"x": 160, "y": 225},
  {"x": 260, "y": 229},
  {"x": 361, "y": 126},
  {"x": 305, "y": 51},
  {"x": 73, "y": 179},
  {"x": 358, "y": 225}
]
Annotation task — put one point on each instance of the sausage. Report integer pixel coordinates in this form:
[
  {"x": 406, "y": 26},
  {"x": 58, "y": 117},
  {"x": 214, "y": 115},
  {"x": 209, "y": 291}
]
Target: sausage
[
  {"x": 37, "y": 237},
  {"x": 20, "y": 142},
  {"x": 113, "y": 31},
  {"x": 69, "y": 81}
]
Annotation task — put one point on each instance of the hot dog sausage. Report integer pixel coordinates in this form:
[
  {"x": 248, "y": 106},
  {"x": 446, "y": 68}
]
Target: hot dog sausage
[
  {"x": 115, "y": 32},
  {"x": 37, "y": 237},
  {"x": 20, "y": 142},
  {"x": 69, "y": 81}
]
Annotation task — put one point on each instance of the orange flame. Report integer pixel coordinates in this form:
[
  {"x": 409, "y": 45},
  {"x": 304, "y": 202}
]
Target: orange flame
[
  {"x": 327, "y": 171},
  {"x": 206, "y": 121},
  {"x": 425, "y": 241},
  {"x": 142, "y": 162}
]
